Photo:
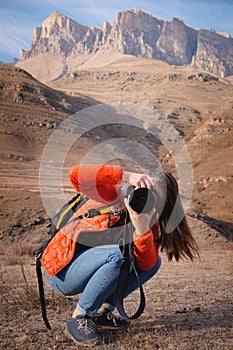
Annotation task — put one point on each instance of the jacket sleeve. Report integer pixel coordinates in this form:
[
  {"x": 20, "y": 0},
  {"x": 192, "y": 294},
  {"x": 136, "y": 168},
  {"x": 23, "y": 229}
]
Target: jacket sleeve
[
  {"x": 98, "y": 182},
  {"x": 146, "y": 250}
]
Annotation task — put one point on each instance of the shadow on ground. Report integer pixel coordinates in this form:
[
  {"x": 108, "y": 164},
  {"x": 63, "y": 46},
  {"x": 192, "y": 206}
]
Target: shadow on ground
[{"x": 224, "y": 228}]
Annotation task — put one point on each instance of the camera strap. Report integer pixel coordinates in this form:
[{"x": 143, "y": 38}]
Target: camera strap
[{"x": 126, "y": 247}]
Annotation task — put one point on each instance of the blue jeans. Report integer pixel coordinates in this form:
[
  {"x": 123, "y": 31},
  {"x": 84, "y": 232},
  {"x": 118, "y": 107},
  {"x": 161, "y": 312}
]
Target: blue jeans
[{"x": 94, "y": 273}]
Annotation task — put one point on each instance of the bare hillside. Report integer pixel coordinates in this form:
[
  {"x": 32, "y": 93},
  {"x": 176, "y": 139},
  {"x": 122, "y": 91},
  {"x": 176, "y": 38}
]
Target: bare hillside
[
  {"x": 189, "y": 305},
  {"x": 198, "y": 104}
]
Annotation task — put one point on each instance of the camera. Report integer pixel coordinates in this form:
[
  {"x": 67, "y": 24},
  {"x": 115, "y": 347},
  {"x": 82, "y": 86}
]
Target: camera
[{"x": 142, "y": 200}]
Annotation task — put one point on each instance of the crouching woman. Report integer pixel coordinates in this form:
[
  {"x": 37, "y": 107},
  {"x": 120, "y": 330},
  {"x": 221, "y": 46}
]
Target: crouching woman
[{"x": 73, "y": 268}]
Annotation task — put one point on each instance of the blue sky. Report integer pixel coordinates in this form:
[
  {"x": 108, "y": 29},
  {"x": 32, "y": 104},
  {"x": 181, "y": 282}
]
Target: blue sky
[{"x": 18, "y": 18}]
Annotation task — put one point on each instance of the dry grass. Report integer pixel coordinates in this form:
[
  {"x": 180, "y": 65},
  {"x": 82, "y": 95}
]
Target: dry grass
[
  {"x": 18, "y": 253},
  {"x": 203, "y": 288}
]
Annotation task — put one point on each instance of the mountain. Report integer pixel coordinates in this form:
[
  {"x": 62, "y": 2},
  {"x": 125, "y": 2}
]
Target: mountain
[{"x": 62, "y": 45}]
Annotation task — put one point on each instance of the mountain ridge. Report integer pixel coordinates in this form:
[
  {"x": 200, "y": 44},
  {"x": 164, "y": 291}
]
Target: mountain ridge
[{"x": 133, "y": 32}]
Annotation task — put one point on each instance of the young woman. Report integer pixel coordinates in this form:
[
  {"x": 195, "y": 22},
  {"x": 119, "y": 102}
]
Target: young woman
[{"x": 72, "y": 267}]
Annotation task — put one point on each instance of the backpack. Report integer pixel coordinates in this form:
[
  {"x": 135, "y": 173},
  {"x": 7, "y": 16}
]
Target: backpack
[{"x": 64, "y": 217}]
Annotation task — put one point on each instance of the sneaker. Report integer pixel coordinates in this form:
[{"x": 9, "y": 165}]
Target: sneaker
[
  {"x": 81, "y": 329},
  {"x": 108, "y": 319}
]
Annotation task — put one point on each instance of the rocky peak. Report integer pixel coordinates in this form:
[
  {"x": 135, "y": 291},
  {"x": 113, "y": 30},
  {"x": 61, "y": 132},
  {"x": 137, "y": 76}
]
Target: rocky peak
[
  {"x": 57, "y": 21},
  {"x": 224, "y": 34},
  {"x": 106, "y": 26},
  {"x": 214, "y": 53},
  {"x": 135, "y": 19},
  {"x": 58, "y": 34},
  {"x": 175, "y": 19},
  {"x": 177, "y": 43},
  {"x": 56, "y": 14},
  {"x": 59, "y": 24},
  {"x": 137, "y": 33}
]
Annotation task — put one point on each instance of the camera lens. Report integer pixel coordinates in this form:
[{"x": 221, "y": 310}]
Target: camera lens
[{"x": 142, "y": 200}]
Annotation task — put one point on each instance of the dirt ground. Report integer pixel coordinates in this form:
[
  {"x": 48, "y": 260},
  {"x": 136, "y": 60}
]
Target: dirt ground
[{"x": 189, "y": 305}]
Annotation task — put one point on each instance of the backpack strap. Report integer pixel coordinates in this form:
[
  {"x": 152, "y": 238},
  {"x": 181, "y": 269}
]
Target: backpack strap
[
  {"x": 41, "y": 291},
  {"x": 99, "y": 211}
]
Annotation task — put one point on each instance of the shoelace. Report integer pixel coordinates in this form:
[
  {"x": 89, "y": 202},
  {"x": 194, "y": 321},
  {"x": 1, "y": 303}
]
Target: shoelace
[
  {"x": 86, "y": 325},
  {"x": 114, "y": 318}
]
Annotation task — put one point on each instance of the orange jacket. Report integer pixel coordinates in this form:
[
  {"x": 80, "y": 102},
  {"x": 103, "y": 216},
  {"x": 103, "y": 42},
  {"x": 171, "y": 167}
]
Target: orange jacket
[{"x": 102, "y": 184}]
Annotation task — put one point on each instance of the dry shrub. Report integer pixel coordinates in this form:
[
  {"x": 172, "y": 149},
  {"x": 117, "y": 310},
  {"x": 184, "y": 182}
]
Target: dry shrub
[
  {"x": 20, "y": 253},
  {"x": 30, "y": 293},
  {"x": 17, "y": 295}
]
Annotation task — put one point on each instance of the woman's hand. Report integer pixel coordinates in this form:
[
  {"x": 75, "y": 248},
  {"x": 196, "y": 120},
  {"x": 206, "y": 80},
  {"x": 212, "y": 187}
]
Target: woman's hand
[
  {"x": 142, "y": 222},
  {"x": 138, "y": 180}
]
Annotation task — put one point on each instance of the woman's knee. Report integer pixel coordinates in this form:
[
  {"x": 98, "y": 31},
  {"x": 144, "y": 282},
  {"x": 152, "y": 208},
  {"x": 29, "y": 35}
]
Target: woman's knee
[
  {"x": 150, "y": 273},
  {"x": 115, "y": 257},
  {"x": 155, "y": 269}
]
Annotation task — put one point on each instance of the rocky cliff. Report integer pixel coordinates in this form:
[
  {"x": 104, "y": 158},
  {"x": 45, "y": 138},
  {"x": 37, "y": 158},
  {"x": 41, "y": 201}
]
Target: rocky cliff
[{"x": 133, "y": 32}]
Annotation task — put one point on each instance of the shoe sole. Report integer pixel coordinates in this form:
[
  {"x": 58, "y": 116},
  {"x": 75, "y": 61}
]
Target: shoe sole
[
  {"x": 90, "y": 342},
  {"x": 112, "y": 327}
]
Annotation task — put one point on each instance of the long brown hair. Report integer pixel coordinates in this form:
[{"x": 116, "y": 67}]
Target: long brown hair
[{"x": 177, "y": 241}]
